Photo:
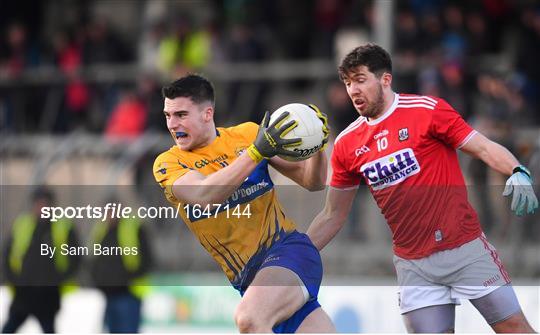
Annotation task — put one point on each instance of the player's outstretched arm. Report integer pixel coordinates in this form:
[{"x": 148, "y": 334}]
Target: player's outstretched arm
[
  {"x": 215, "y": 188},
  {"x": 500, "y": 159},
  {"x": 330, "y": 220}
]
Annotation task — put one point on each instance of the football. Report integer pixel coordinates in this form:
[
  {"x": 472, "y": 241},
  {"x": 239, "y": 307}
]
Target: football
[{"x": 309, "y": 129}]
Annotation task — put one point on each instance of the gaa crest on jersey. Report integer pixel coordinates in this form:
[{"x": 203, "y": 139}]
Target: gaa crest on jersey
[
  {"x": 403, "y": 134},
  {"x": 391, "y": 169}
]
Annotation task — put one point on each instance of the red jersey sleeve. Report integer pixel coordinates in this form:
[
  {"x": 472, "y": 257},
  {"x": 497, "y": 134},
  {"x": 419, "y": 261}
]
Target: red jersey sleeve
[
  {"x": 342, "y": 177},
  {"x": 448, "y": 126}
]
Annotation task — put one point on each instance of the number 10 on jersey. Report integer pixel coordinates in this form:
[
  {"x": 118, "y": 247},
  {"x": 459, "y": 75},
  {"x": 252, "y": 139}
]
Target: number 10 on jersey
[{"x": 382, "y": 143}]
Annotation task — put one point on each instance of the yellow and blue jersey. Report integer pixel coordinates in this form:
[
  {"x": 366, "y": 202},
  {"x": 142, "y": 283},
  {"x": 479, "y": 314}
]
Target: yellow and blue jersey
[{"x": 240, "y": 231}]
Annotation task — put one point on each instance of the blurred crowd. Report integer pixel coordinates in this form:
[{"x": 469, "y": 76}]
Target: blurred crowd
[
  {"x": 481, "y": 56},
  {"x": 97, "y": 66}
]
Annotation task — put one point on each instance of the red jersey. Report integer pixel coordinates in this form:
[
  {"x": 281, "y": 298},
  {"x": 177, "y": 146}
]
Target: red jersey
[{"x": 408, "y": 159}]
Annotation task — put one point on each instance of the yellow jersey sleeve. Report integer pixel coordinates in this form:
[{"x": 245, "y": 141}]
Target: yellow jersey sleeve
[{"x": 167, "y": 169}]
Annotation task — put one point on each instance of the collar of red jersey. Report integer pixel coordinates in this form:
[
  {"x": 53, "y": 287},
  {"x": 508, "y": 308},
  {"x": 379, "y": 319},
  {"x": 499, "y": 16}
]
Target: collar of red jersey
[{"x": 387, "y": 113}]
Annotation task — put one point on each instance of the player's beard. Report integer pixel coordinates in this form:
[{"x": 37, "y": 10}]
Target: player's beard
[{"x": 375, "y": 109}]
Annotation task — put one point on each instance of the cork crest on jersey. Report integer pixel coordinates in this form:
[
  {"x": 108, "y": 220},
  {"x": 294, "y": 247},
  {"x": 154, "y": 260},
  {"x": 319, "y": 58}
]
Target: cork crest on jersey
[{"x": 391, "y": 169}]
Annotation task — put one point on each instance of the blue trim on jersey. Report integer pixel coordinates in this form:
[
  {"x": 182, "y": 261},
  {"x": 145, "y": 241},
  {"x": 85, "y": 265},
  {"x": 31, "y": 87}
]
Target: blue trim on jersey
[{"x": 256, "y": 184}]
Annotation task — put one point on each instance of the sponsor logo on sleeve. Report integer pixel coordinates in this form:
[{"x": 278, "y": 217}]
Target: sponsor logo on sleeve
[{"x": 391, "y": 169}]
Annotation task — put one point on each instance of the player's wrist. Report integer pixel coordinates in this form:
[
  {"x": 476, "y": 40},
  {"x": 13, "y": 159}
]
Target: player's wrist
[
  {"x": 254, "y": 153},
  {"x": 523, "y": 169}
]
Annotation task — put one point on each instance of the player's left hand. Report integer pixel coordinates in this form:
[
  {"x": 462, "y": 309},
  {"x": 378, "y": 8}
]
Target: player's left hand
[
  {"x": 326, "y": 128},
  {"x": 520, "y": 185}
]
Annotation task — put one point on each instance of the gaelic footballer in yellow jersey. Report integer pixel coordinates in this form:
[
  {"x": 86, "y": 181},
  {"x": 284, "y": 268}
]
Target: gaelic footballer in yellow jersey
[
  {"x": 219, "y": 180},
  {"x": 248, "y": 222}
]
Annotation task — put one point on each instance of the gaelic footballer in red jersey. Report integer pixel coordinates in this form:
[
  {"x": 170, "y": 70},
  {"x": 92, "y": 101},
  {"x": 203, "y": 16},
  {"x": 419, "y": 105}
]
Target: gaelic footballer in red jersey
[
  {"x": 411, "y": 166},
  {"x": 403, "y": 147}
]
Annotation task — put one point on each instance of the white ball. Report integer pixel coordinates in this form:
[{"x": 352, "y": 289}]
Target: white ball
[{"x": 309, "y": 129}]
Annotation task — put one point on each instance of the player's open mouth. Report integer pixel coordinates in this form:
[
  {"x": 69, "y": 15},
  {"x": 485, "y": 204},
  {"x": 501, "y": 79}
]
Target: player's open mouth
[
  {"x": 360, "y": 103},
  {"x": 180, "y": 134}
]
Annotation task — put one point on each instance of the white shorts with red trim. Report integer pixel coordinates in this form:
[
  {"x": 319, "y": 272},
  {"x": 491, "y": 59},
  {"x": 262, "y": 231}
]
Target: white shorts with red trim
[{"x": 470, "y": 271}]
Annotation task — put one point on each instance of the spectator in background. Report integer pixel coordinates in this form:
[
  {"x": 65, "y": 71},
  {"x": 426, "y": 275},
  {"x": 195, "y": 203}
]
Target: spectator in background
[
  {"x": 480, "y": 40},
  {"x": 454, "y": 42},
  {"x": 149, "y": 93},
  {"x": 19, "y": 52},
  {"x": 185, "y": 49},
  {"x": 431, "y": 35},
  {"x": 36, "y": 279},
  {"x": 407, "y": 46},
  {"x": 121, "y": 276},
  {"x": 406, "y": 33},
  {"x": 128, "y": 118},
  {"x": 102, "y": 46},
  {"x": 148, "y": 48},
  {"x": 170, "y": 46},
  {"x": 293, "y": 23},
  {"x": 328, "y": 15},
  {"x": 453, "y": 87},
  {"x": 67, "y": 52},
  {"x": 75, "y": 107}
]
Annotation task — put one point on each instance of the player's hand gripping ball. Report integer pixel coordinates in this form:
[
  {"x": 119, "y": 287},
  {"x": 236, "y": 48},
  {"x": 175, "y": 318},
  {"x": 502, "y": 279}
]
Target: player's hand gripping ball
[{"x": 312, "y": 128}]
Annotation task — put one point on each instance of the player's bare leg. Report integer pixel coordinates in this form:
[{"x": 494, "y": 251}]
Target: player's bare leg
[
  {"x": 317, "y": 322},
  {"x": 501, "y": 310},
  {"x": 274, "y": 295}
]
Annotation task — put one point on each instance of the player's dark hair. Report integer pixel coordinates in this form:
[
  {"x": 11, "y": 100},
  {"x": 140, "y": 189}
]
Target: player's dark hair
[
  {"x": 193, "y": 86},
  {"x": 375, "y": 58}
]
